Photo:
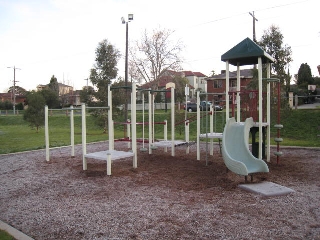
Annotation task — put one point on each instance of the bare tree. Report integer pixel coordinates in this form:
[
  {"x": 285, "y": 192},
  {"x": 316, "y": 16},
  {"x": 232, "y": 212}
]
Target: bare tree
[{"x": 153, "y": 55}]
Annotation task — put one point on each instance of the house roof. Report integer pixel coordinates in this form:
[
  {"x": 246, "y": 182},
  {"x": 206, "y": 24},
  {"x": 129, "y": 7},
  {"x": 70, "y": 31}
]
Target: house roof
[
  {"x": 163, "y": 80},
  {"x": 246, "y": 52},
  {"x": 244, "y": 73},
  {"x": 199, "y": 74},
  {"x": 190, "y": 73}
]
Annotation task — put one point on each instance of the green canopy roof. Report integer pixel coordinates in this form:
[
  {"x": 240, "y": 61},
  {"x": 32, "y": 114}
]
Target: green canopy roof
[{"x": 246, "y": 52}]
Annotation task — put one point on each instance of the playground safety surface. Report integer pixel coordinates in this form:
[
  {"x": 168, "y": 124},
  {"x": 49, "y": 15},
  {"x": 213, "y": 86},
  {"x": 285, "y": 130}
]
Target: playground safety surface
[{"x": 164, "y": 198}]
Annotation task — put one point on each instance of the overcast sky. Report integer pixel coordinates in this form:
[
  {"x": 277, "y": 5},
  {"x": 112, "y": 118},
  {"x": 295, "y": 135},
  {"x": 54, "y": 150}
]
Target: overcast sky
[{"x": 59, "y": 37}]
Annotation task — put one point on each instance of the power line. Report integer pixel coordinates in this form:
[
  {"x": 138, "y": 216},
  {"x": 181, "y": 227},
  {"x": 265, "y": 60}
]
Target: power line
[{"x": 239, "y": 14}]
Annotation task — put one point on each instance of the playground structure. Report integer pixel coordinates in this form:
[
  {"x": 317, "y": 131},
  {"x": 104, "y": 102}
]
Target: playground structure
[
  {"x": 240, "y": 59},
  {"x": 109, "y": 155},
  {"x": 212, "y": 134},
  {"x": 165, "y": 143},
  {"x": 245, "y": 53},
  {"x": 235, "y": 149}
]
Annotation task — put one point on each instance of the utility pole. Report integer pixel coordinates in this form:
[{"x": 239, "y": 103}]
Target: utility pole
[
  {"x": 14, "y": 88},
  {"x": 254, "y": 26},
  {"x": 87, "y": 79}
]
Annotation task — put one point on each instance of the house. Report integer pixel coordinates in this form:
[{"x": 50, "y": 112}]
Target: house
[
  {"x": 66, "y": 94},
  {"x": 196, "y": 80},
  {"x": 9, "y": 97},
  {"x": 217, "y": 84}
]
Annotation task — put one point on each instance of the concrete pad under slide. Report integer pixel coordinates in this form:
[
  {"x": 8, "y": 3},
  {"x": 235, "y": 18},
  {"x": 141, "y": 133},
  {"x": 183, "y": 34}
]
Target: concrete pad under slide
[{"x": 267, "y": 189}]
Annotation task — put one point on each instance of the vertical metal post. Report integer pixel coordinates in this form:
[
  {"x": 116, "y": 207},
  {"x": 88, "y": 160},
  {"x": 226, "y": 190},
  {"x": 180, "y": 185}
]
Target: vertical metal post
[
  {"x": 227, "y": 90},
  {"x": 172, "y": 123},
  {"x": 260, "y": 105},
  {"x": 72, "y": 131},
  {"x": 46, "y": 132},
  {"x": 126, "y": 77},
  {"x": 84, "y": 137}
]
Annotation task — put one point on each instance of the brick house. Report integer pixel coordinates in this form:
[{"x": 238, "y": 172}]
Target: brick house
[
  {"x": 196, "y": 80},
  {"x": 163, "y": 80},
  {"x": 217, "y": 84},
  {"x": 9, "y": 97}
]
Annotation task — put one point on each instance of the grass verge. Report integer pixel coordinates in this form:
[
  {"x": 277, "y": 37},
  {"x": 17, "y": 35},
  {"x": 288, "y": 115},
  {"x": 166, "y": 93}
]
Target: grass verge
[{"x": 301, "y": 128}]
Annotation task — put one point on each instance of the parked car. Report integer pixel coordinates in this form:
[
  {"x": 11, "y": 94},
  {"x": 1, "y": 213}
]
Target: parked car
[{"x": 204, "y": 106}]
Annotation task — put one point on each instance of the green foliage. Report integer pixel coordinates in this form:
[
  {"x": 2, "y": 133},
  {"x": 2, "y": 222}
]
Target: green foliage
[
  {"x": 51, "y": 98},
  {"x": 54, "y": 85},
  {"x": 180, "y": 83},
  {"x": 34, "y": 114},
  {"x": 105, "y": 69},
  {"x": 86, "y": 95},
  {"x": 304, "y": 76},
  {"x": 6, "y": 105},
  {"x": 18, "y": 90},
  {"x": 19, "y": 106},
  {"x": 119, "y": 93},
  {"x": 272, "y": 43}
]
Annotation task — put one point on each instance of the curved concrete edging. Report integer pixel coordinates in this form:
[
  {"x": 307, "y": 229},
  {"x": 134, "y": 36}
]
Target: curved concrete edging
[{"x": 14, "y": 232}]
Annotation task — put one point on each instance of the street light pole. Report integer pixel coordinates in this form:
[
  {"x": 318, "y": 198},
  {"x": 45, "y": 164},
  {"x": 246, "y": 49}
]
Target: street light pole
[
  {"x": 130, "y": 18},
  {"x": 14, "y": 88}
]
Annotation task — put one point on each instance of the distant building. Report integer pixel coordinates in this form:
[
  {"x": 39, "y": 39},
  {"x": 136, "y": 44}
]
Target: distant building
[
  {"x": 196, "y": 80},
  {"x": 66, "y": 94},
  {"x": 217, "y": 84}
]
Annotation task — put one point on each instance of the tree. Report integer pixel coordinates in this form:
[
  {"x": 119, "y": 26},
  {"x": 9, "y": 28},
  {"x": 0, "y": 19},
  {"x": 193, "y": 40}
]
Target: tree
[
  {"x": 154, "y": 55},
  {"x": 34, "y": 114},
  {"x": 272, "y": 43},
  {"x": 118, "y": 93},
  {"x": 180, "y": 84},
  {"x": 18, "y": 90},
  {"x": 51, "y": 98},
  {"x": 304, "y": 76},
  {"x": 105, "y": 69},
  {"x": 86, "y": 95},
  {"x": 54, "y": 85}
]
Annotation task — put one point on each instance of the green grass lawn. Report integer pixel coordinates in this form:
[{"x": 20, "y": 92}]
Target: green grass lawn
[
  {"x": 300, "y": 129},
  {"x": 5, "y": 236}
]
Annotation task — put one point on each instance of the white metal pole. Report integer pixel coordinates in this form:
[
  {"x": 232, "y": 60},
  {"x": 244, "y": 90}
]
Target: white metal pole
[
  {"x": 84, "y": 133},
  {"x": 150, "y": 123},
  {"x": 129, "y": 129},
  {"x": 165, "y": 134},
  {"x": 109, "y": 163},
  {"x": 72, "y": 130},
  {"x": 260, "y": 105},
  {"x": 198, "y": 126},
  {"x": 153, "y": 107},
  {"x": 134, "y": 125},
  {"x": 143, "y": 120},
  {"x": 187, "y": 135},
  {"x": 110, "y": 125},
  {"x": 227, "y": 90},
  {"x": 238, "y": 93},
  {"x": 172, "y": 122},
  {"x": 268, "y": 112},
  {"x": 46, "y": 123},
  {"x": 212, "y": 111}
]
